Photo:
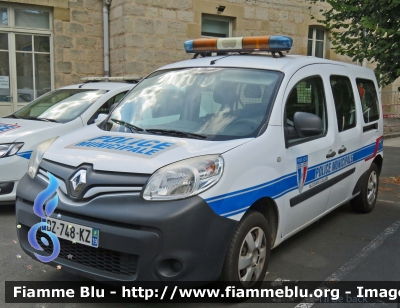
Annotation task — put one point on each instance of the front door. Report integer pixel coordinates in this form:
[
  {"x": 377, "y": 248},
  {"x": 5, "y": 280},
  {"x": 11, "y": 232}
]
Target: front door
[{"x": 306, "y": 157}]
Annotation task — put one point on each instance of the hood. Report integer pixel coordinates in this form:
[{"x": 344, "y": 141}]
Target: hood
[
  {"x": 128, "y": 152},
  {"x": 13, "y": 129}
]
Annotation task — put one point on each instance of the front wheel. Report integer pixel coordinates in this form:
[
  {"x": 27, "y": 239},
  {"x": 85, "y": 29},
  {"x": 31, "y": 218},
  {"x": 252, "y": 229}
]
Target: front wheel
[
  {"x": 365, "y": 201},
  {"x": 247, "y": 259}
]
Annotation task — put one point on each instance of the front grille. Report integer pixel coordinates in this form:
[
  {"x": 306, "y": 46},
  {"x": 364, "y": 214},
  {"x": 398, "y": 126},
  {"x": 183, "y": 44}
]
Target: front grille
[
  {"x": 99, "y": 258},
  {"x": 108, "y": 181}
]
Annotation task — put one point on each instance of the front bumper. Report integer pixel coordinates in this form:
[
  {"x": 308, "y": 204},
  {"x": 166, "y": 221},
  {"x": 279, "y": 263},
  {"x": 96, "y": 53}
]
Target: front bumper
[
  {"x": 181, "y": 240},
  {"x": 12, "y": 169}
]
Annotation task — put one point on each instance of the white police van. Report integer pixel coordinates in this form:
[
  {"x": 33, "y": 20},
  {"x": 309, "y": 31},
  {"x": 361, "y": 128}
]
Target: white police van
[
  {"x": 51, "y": 115},
  {"x": 209, "y": 163}
]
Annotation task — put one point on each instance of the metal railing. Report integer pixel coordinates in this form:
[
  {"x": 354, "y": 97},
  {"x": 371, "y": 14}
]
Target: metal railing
[
  {"x": 391, "y": 104},
  {"x": 391, "y": 110}
]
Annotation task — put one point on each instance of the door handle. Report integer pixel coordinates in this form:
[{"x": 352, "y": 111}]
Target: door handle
[
  {"x": 342, "y": 149},
  {"x": 330, "y": 154}
]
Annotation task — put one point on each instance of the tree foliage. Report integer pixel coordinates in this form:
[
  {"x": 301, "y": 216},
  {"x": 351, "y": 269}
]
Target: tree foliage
[{"x": 367, "y": 29}]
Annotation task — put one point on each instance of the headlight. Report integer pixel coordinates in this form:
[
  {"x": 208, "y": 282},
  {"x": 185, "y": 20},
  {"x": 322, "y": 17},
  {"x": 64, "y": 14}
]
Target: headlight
[
  {"x": 185, "y": 178},
  {"x": 37, "y": 156},
  {"x": 10, "y": 149}
]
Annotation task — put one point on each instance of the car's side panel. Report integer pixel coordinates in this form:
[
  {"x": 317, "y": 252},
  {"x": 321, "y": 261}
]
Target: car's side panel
[{"x": 231, "y": 198}]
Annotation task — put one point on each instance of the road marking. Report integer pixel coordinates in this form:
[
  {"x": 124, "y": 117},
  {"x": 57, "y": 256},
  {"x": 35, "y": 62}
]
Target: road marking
[
  {"x": 278, "y": 282},
  {"x": 352, "y": 263},
  {"x": 388, "y": 201}
]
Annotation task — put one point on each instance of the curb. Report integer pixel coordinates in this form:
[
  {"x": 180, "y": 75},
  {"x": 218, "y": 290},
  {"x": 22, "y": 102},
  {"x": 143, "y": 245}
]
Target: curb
[{"x": 392, "y": 135}]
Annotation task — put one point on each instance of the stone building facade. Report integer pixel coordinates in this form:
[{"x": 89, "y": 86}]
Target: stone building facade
[
  {"x": 144, "y": 35},
  {"x": 72, "y": 32},
  {"x": 78, "y": 41}
]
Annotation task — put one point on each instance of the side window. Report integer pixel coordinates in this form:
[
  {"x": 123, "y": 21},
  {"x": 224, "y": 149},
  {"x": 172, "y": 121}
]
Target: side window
[
  {"x": 307, "y": 96},
  {"x": 105, "y": 108},
  {"x": 369, "y": 99},
  {"x": 118, "y": 97},
  {"x": 345, "y": 106}
]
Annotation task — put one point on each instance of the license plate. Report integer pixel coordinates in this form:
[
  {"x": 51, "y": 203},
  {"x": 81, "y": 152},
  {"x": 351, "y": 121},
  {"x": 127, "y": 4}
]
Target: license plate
[{"x": 72, "y": 232}]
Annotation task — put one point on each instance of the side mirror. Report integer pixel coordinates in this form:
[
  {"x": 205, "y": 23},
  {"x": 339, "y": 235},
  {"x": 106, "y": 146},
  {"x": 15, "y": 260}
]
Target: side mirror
[
  {"x": 307, "y": 124},
  {"x": 101, "y": 117}
]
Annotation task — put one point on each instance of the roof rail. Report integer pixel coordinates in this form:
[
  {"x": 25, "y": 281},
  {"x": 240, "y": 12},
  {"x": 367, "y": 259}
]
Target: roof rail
[{"x": 130, "y": 79}]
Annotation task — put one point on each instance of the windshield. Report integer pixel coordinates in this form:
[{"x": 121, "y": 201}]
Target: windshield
[
  {"x": 215, "y": 103},
  {"x": 60, "y": 105}
]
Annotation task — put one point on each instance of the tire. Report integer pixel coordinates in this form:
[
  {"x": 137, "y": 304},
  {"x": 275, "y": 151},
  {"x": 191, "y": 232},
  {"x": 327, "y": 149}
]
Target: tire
[
  {"x": 365, "y": 201},
  {"x": 252, "y": 230}
]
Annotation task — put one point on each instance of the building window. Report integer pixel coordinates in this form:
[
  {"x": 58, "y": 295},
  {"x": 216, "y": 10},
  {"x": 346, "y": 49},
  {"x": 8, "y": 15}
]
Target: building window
[
  {"x": 33, "y": 66},
  {"x": 26, "y": 69},
  {"x": 316, "y": 42},
  {"x": 32, "y": 19},
  {"x": 216, "y": 26},
  {"x": 3, "y": 16}
]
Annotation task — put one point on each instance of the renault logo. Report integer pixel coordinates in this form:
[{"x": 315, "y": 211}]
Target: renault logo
[{"x": 78, "y": 181}]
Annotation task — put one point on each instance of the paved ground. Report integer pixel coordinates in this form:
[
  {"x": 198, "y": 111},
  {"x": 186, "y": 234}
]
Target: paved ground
[{"x": 345, "y": 244}]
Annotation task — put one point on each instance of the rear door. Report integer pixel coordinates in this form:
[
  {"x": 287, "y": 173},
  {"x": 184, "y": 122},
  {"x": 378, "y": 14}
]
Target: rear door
[
  {"x": 348, "y": 129},
  {"x": 306, "y": 157},
  {"x": 371, "y": 117}
]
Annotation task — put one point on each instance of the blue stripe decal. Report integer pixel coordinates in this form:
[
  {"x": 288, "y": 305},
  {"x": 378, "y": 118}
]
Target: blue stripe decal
[
  {"x": 239, "y": 201},
  {"x": 26, "y": 155}
]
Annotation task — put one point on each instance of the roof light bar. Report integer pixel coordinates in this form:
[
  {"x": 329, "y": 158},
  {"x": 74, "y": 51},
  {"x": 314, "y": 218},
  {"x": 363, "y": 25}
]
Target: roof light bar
[
  {"x": 274, "y": 43},
  {"x": 115, "y": 79}
]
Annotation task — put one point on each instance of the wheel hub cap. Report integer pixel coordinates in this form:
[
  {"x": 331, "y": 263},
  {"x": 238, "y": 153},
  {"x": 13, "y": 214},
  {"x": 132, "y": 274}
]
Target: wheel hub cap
[
  {"x": 256, "y": 257},
  {"x": 252, "y": 257},
  {"x": 371, "y": 188}
]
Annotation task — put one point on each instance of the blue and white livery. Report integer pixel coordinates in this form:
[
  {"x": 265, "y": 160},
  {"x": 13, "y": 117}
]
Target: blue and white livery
[
  {"x": 51, "y": 115},
  {"x": 208, "y": 164}
]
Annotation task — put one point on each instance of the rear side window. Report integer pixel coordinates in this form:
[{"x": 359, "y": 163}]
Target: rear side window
[
  {"x": 369, "y": 99},
  {"x": 345, "y": 106}
]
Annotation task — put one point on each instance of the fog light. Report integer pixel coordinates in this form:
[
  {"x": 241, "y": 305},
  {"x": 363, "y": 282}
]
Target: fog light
[{"x": 169, "y": 267}]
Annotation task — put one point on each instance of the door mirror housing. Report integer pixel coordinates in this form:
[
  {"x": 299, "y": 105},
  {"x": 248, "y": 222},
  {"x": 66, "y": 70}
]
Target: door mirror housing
[
  {"x": 307, "y": 124},
  {"x": 101, "y": 117}
]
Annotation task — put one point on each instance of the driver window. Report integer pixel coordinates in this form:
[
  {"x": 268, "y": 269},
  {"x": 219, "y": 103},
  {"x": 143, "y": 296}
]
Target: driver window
[
  {"x": 105, "y": 108},
  {"x": 307, "y": 96}
]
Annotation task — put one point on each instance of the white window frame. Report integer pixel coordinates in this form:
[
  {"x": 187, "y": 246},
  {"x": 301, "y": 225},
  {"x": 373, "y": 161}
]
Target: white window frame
[
  {"x": 11, "y": 30},
  {"x": 314, "y": 40},
  {"x": 218, "y": 18}
]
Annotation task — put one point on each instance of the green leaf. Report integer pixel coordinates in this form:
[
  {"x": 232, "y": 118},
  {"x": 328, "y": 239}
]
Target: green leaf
[{"x": 367, "y": 29}]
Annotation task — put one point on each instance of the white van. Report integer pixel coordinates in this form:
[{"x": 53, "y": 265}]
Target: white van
[
  {"x": 51, "y": 115},
  {"x": 209, "y": 163}
]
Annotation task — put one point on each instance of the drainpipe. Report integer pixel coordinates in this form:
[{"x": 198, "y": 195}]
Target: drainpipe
[
  {"x": 364, "y": 62},
  {"x": 106, "y": 38}
]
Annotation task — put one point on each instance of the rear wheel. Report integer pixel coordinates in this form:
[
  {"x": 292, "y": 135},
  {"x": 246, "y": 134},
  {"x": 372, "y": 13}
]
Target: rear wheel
[
  {"x": 365, "y": 201},
  {"x": 247, "y": 258}
]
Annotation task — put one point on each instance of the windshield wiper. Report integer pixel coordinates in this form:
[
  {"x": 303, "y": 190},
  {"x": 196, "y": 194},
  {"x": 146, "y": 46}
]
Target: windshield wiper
[
  {"x": 175, "y": 133},
  {"x": 128, "y": 125},
  {"x": 35, "y": 119},
  {"x": 46, "y": 120},
  {"x": 13, "y": 116}
]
